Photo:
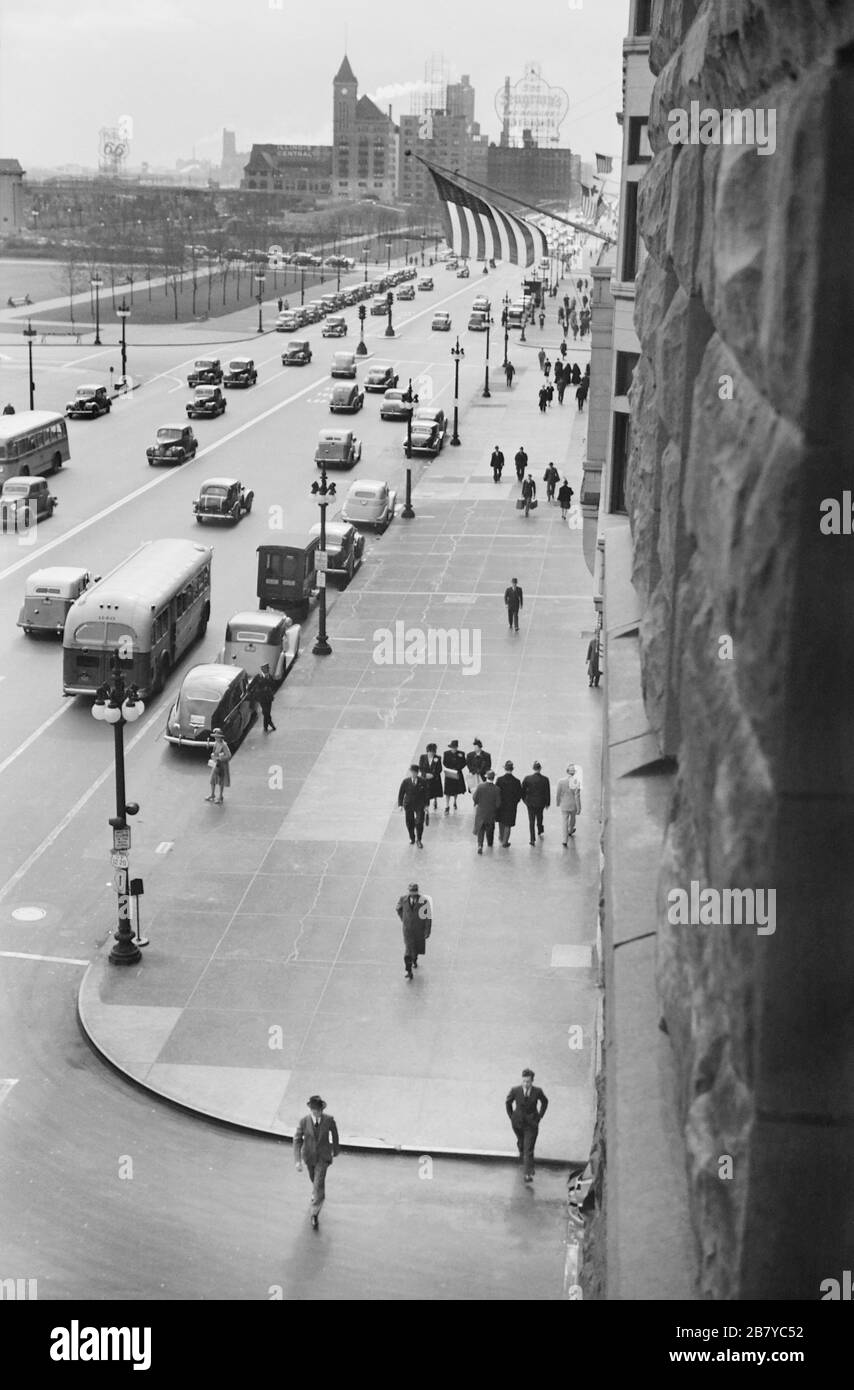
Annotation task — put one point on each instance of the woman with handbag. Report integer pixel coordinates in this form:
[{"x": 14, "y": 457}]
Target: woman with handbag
[
  {"x": 218, "y": 763},
  {"x": 453, "y": 761}
]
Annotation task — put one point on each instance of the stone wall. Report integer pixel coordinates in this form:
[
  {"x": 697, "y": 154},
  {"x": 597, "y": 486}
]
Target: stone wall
[{"x": 742, "y": 406}]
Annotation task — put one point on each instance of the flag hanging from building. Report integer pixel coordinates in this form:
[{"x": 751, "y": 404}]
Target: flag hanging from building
[
  {"x": 604, "y": 163},
  {"x": 591, "y": 200},
  {"x": 481, "y": 230}
]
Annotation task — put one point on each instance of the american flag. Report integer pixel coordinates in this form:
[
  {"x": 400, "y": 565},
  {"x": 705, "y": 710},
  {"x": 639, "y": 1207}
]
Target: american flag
[
  {"x": 591, "y": 200},
  {"x": 478, "y": 229},
  {"x": 604, "y": 163}
]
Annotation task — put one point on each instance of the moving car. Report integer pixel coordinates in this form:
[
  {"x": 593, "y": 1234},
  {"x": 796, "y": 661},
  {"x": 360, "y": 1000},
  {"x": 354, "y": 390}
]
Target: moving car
[
  {"x": 312, "y": 312},
  {"x": 211, "y": 697},
  {"x": 407, "y": 292},
  {"x": 337, "y": 449},
  {"x": 48, "y": 595},
  {"x": 344, "y": 365},
  {"x": 395, "y": 406},
  {"x": 24, "y": 501},
  {"x": 381, "y": 378},
  {"x": 481, "y": 304},
  {"x": 222, "y": 499},
  {"x": 429, "y": 428},
  {"x": 344, "y": 549},
  {"x": 207, "y": 401},
  {"x": 451, "y": 263},
  {"x": 463, "y": 273},
  {"x": 379, "y": 307},
  {"x": 207, "y": 371},
  {"x": 478, "y": 321},
  {"x": 345, "y": 397},
  {"x": 172, "y": 444},
  {"x": 287, "y": 573},
  {"x": 426, "y": 283},
  {"x": 241, "y": 371},
  {"x": 253, "y": 639},
  {"x": 335, "y": 327},
  {"x": 441, "y": 322},
  {"x": 89, "y": 402},
  {"x": 297, "y": 353},
  {"x": 288, "y": 321},
  {"x": 369, "y": 502}
]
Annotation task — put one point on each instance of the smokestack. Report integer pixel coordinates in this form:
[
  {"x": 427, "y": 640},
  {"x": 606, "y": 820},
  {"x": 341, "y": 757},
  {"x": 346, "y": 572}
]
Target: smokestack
[{"x": 505, "y": 125}]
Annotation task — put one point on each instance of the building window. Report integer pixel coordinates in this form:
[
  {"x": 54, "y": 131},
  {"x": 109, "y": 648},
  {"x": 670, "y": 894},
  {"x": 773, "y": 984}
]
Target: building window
[
  {"x": 620, "y": 460},
  {"x": 643, "y": 16},
  {"x": 630, "y": 232},
  {"x": 626, "y": 363},
  {"x": 640, "y": 150}
]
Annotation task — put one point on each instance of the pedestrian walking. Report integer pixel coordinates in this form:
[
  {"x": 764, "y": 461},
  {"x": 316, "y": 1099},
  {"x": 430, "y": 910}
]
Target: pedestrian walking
[
  {"x": 509, "y": 372},
  {"x": 560, "y": 316},
  {"x": 9, "y": 409},
  {"x": 542, "y": 320},
  {"x": 568, "y": 800},
  {"x": 566, "y": 303},
  {"x": 563, "y": 347},
  {"x": 576, "y": 374},
  {"x": 412, "y": 799},
  {"x": 415, "y": 913},
  {"x": 265, "y": 690},
  {"x": 593, "y": 659},
  {"x": 565, "y": 495},
  {"x": 316, "y": 1141},
  {"x": 542, "y": 398},
  {"x": 581, "y": 395},
  {"x": 521, "y": 461},
  {"x": 561, "y": 390},
  {"x": 529, "y": 493},
  {"x": 542, "y": 357},
  {"x": 551, "y": 478},
  {"x": 281, "y": 303},
  {"x": 453, "y": 761},
  {"x": 487, "y": 801},
  {"x": 526, "y": 1105},
  {"x": 547, "y": 366},
  {"x": 430, "y": 767},
  {"x": 550, "y": 392},
  {"x": 511, "y": 794},
  {"x": 478, "y": 763},
  {"x": 497, "y": 464},
  {"x": 537, "y": 796},
  {"x": 514, "y": 598},
  {"x": 218, "y": 763}
]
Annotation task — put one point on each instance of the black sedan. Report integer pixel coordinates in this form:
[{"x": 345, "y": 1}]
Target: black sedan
[{"x": 211, "y": 697}]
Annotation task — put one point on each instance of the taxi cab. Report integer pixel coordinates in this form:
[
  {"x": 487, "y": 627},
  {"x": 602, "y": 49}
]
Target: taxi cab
[
  {"x": 256, "y": 639},
  {"x": 337, "y": 449}
]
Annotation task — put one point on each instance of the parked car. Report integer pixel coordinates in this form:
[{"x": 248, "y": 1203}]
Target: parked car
[
  {"x": 337, "y": 449},
  {"x": 207, "y": 371},
  {"x": 345, "y": 397},
  {"x": 478, "y": 321},
  {"x": 407, "y": 292},
  {"x": 222, "y": 499},
  {"x": 452, "y": 263},
  {"x": 212, "y": 696},
  {"x": 24, "y": 501},
  {"x": 441, "y": 322},
  {"x": 48, "y": 595},
  {"x": 241, "y": 371},
  {"x": 288, "y": 321},
  {"x": 207, "y": 401},
  {"x": 369, "y": 502},
  {"x": 344, "y": 549},
  {"x": 481, "y": 304},
  {"x": 429, "y": 428},
  {"x": 463, "y": 273},
  {"x": 287, "y": 574},
  {"x": 381, "y": 378},
  {"x": 312, "y": 312},
  {"x": 89, "y": 402},
  {"x": 335, "y": 327},
  {"x": 426, "y": 283},
  {"x": 395, "y": 406},
  {"x": 379, "y": 308},
  {"x": 344, "y": 365},
  {"x": 297, "y": 353},
  {"x": 172, "y": 444},
  {"x": 253, "y": 639}
]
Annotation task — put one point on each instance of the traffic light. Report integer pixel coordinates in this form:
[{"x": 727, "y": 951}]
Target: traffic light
[{"x": 362, "y": 312}]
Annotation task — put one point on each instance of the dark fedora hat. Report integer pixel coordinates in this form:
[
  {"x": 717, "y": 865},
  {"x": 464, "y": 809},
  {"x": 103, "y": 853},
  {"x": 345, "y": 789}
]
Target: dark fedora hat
[{"x": 316, "y": 1103}]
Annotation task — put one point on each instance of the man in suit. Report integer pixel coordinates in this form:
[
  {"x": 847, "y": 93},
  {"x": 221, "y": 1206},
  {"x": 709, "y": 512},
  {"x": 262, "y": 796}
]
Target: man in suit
[
  {"x": 413, "y": 797},
  {"x": 526, "y": 1105},
  {"x": 521, "y": 461},
  {"x": 415, "y": 912},
  {"x": 568, "y": 800},
  {"x": 264, "y": 692},
  {"x": 511, "y": 794},
  {"x": 316, "y": 1140},
  {"x": 537, "y": 796},
  {"x": 513, "y": 598},
  {"x": 487, "y": 799}
]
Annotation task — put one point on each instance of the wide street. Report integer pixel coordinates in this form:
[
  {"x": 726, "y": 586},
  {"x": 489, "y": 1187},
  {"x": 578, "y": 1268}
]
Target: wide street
[{"x": 108, "y": 1192}]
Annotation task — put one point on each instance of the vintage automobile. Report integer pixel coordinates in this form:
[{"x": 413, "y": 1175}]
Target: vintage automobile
[
  {"x": 381, "y": 378},
  {"x": 395, "y": 406},
  {"x": 441, "y": 322},
  {"x": 288, "y": 321},
  {"x": 344, "y": 365},
  {"x": 287, "y": 574},
  {"x": 212, "y": 696},
  {"x": 297, "y": 353},
  {"x": 172, "y": 444},
  {"x": 255, "y": 639},
  {"x": 426, "y": 283},
  {"x": 379, "y": 307},
  {"x": 207, "y": 401},
  {"x": 337, "y": 449},
  {"x": 222, "y": 499},
  {"x": 207, "y": 371},
  {"x": 344, "y": 549},
  {"x": 334, "y": 327},
  {"x": 451, "y": 263},
  {"x": 48, "y": 595},
  {"x": 407, "y": 292},
  {"x": 24, "y": 501},
  {"x": 241, "y": 371},
  {"x": 312, "y": 312},
  {"x": 369, "y": 502},
  {"x": 478, "y": 321},
  {"x": 480, "y": 304},
  {"x": 89, "y": 402},
  {"x": 346, "y": 397},
  {"x": 463, "y": 273},
  {"x": 429, "y": 428}
]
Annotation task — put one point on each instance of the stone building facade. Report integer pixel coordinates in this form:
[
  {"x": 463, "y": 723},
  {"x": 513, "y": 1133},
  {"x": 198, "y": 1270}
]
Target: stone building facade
[{"x": 364, "y": 143}]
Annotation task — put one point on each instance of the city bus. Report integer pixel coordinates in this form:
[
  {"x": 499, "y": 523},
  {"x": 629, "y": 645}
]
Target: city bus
[
  {"x": 32, "y": 442},
  {"x": 149, "y": 609}
]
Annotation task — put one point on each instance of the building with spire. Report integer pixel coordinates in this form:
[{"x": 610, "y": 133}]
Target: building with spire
[{"x": 364, "y": 143}]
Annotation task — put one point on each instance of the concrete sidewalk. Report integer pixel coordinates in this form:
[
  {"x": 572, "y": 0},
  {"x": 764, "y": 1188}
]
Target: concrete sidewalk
[{"x": 275, "y": 966}]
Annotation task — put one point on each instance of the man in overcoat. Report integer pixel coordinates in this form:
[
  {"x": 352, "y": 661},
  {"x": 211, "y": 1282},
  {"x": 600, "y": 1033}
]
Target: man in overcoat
[
  {"x": 511, "y": 794},
  {"x": 316, "y": 1141},
  {"x": 537, "y": 796},
  {"x": 413, "y": 797},
  {"x": 413, "y": 909},
  {"x": 487, "y": 800}
]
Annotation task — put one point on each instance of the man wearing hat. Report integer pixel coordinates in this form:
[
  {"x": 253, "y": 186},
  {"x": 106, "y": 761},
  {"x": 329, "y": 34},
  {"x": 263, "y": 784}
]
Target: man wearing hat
[
  {"x": 316, "y": 1138},
  {"x": 511, "y": 794},
  {"x": 415, "y": 913},
  {"x": 514, "y": 598},
  {"x": 526, "y": 1105},
  {"x": 264, "y": 692},
  {"x": 413, "y": 796},
  {"x": 487, "y": 800},
  {"x": 537, "y": 796}
]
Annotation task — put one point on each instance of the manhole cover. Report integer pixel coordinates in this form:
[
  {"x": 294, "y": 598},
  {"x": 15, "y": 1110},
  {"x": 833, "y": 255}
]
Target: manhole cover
[{"x": 29, "y": 914}]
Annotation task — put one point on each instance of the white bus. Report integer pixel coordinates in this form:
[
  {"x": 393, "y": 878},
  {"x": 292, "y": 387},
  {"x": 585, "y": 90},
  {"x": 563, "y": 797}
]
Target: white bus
[
  {"x": 149, "y": 609},
  {"x": 32, "y": 442}
]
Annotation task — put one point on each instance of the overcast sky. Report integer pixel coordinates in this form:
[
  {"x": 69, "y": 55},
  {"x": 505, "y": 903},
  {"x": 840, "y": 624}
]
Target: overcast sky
[{"x": 184, "y": 69}]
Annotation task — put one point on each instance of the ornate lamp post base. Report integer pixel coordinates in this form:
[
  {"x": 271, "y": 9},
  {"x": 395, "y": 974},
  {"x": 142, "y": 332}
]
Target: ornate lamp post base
[
  {"x": 321, "y": 647},
  {"x": 125, "y": 951}
]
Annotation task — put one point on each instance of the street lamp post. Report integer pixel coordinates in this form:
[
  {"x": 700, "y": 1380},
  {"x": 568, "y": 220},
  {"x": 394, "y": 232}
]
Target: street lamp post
[
  {"x": 457, "y": 353},
  {"x": 389, "y": 300},
  {"x": 302, "y": 284},
  {"x": 259, "y": 280},
  {"x": 29, "y": 334},
  {"x": 123, "y": 311},
  {"x": 323, "y": 491},
  {"x": 96, "y": 282},
  {"x": 361, "y": 350},
  {"x": 408, "y": 514},
  {"x": 504, "y": 320},
  {"x": 365, "y": 254},
  {"x": 423, "y": 239},
  {"x": 406, "y": 250},
  {"x": 130, "y": 282},
  {"x": 486, "y": 391},
  {"x": 118, "y": 704},
  {"x": 388, "y": 254}
]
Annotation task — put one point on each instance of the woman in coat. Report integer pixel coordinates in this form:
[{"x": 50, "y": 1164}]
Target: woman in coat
[
  {"x": 453, "y": 761},
  {"x": 413, "y": 909},
  {"x": 564, "y": 497},
  {"x": 430, "y": 767},
  {"x": 218, "y": 763}
]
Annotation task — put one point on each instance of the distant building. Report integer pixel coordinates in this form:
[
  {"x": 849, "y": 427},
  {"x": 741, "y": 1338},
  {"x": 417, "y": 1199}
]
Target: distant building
[
  {"x": 304, "y": 170},
  {"x": 538, "y": 174},
  {"x": 233, "y": 161},
  {"x": 11, "y": 197},
  {"x": 460, "y": 99},
  {"x": 451, "y": 145},
  {"x": 364, "y": 143}
]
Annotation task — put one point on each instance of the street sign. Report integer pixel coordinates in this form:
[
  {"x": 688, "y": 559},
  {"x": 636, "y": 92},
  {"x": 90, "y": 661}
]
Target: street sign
[
  {"x": 119, "y": 861},
  {"x": 321, "y": 559},
  {"x": 120, "y": 881},
  {"x": 321, "y": 579},
  {"x": 121, "y": 837}
]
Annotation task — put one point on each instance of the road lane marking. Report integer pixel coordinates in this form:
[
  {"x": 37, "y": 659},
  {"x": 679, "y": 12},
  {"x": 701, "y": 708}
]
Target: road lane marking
[
  {"x": 54, "y": 960},
  {"x": 6, "y": 1084},
  {"x": 37, "y": 733}
]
